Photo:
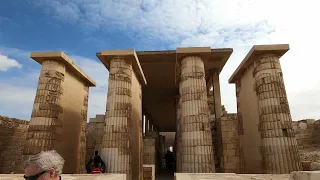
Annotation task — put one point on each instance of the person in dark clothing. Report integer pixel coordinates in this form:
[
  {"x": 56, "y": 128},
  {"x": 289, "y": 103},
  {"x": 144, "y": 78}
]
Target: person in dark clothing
[
  {"x": 169, "y": 160},
  {"x": 96, "y": 164}
]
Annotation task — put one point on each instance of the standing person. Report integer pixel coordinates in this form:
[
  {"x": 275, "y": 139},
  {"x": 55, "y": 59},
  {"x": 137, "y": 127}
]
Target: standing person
[
  {"x": 169, "y": 160},
  {"x": 46, "y": 165}
]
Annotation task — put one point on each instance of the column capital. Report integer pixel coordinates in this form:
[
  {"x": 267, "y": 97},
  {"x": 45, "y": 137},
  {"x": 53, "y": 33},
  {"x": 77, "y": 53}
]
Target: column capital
[
  {"x": 258, "y": 50},
  {"x": 40, "y": 57},
  {"x": 202, "y": 52},
  {"x": 105, "y": 56}
]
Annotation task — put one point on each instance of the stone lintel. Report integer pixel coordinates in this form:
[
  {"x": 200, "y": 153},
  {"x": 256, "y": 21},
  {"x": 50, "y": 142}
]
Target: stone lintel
[
  {"x": 129, "y": 55},
  {"x": 256, "y": 50},
  {"x": 61, "y": 56}
]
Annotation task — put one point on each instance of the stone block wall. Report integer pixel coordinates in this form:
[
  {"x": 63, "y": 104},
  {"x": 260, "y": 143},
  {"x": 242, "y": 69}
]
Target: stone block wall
[
  {"x": 217, "y": 148},
  {"x": 94, "y": 135},
  {"x": 230, "y": 143},
  {"x": 149, "y": 151},
  {"x": 148, "y": 172},
  {"x": 12, "y": 140}
]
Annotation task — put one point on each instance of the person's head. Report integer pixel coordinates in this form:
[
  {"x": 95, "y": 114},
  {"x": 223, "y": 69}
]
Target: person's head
[
  {"x": 43, "y": 166},
  {"x": 96, "y": 153}
]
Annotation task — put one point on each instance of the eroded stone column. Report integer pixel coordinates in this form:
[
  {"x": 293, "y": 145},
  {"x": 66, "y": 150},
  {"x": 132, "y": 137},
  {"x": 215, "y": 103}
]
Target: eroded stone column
[
  {"x": 116, "y": 140},
  {"x": 178, "y": 135},
  {"x": 196, "y": 141},
  {"x": 217, "y": 95},
  {"x": 279, "y": 146},
  {"x": 84, "y": 112},
  {"x": 45, "y": 128},
  {"x": 241, "y": 168}
]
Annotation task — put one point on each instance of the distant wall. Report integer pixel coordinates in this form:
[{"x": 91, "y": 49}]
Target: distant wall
[
  {"x": 12, "y": 140},
  {"x": 307, "y": 132},
  {"x": 94, "y": 135},
  {"x": 229, "y": 143}
]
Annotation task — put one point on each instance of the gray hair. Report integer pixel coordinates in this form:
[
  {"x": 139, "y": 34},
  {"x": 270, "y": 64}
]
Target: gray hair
[{"x": 46, "y": 160}]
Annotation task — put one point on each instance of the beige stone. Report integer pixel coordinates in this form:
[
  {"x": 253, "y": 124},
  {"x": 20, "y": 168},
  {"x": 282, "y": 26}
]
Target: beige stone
[
  {"x": 265, "y": 112},
  {"x": 305, "y": 175},
  {"x": 182, "y": 105},
  {"x": 228, "y": 176},
  {"x": 122, "y": 140},
  {"x": 72, "y": 176},
  {"x": 55, "y": 123},
  {"x": 149, "y": 172}
]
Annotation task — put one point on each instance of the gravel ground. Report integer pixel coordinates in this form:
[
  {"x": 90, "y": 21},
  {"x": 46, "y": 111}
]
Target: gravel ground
[{"x": 310, "y": 154}]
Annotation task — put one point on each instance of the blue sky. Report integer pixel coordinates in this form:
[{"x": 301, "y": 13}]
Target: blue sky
[{"x": 81, "y": 28}]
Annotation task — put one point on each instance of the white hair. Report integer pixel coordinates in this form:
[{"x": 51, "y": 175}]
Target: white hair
[{"x": 46, "y": 160}]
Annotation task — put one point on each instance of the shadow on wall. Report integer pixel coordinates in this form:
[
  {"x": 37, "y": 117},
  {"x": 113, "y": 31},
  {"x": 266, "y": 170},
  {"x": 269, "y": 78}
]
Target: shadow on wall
[{"x": 12, "y": 141}]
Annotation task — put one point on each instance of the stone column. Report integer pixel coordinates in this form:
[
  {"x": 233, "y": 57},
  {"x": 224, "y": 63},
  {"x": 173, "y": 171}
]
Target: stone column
[
  {"x": 196, "y": 141},
  {"x": 84, "y": 112},
  {"x": 45, "y": 127},
  {"x": 241, "y": 168},
  {"x": 279, "y": 146},
  {"x": 178, "y": 135},
  {"x": 217, "y": 95},
  {"x": 116, "y": 140},
  {"x": 122, "y": 142}
]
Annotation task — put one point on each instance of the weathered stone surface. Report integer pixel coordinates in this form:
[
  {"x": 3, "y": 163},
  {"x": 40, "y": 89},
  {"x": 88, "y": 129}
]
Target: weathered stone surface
[
  {"x": 279, "y": 146},
  {"x": 149, "y": 172},
  {"x": 315, "y": 166},
  {"x": 12, "y": 140},
  {"x": 94, "y": 134},
  {"x": 194, "y": 127},
  {"x": 229, "y": 176},
  {"x": 305, "y": 175},
  {"x": 72, "y": 176},
  {"x": 149, "y": 150}
]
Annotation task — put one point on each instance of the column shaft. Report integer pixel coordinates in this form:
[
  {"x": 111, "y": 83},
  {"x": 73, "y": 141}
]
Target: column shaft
[
  {"x": 82, "y": 154},
  {"x": 196, "y": 141},
  {"x": 279, "y": 145},
  {"x": 217, "y": 95},
  {"x": 241, "y": 168},
  {"x": 178, "y": 135},
  {"x": 116, "y": 140},
  {"x": 45, "y": 126}
]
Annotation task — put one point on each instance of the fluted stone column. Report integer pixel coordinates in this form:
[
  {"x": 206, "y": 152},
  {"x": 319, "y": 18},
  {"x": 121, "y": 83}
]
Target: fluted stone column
[
  {"x": 45, "y": 127},
  {"x": 178, "y": 135},
  {"x": 279, "y": 146},
  {"x": 116, "y": 140},
  {"x": 196, "y": 141},
  {"x": 241, "y": 168},
  {"x": 84, "y": 112}
]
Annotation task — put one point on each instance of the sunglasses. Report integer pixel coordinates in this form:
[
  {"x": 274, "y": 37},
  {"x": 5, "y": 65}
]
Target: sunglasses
[{"x": 34, "y": 177}]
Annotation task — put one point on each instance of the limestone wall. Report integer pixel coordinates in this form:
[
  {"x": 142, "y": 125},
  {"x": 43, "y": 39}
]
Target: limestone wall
[
  {"x": 229, "y": 143},
  {"x": 307, "y": 132},
  {"x": 148, "y": 172},
  {"x": 149, "y": 151},
  {"x": 94, "y": 135},
  {"x": 12, "y": 140}
]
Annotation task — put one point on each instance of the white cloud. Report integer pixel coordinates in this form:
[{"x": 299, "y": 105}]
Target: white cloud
[
  {"x": 17, "y": 92},
  {"x": 237, "y": 24},
  {"x": 6, "y": 63}
]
